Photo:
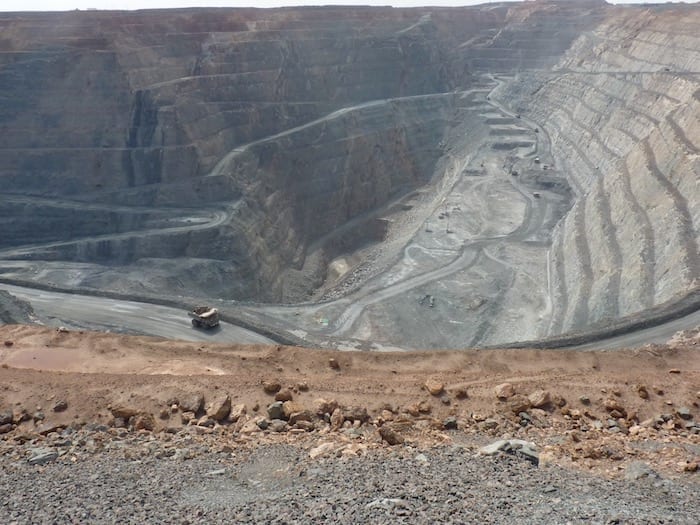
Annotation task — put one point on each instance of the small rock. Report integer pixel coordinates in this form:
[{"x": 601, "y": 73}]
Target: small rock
[
  {"x": 218, "y": 472},
  {"x": 251, "y": 426},
  {"x": 291, "y": 407},
  {"x": 278, "y": 425},
  {"x": 356, "y": 414},
  {"x": 9, "y": 343},
  {"x": 303, "y": 415},
  {"x": 5, "y": 428},
  {"x": 306, "y": 426},
  {"x": 324, "y": 406},
  {"x": 684, "y": 413},
  {"x": 391, "y": 436},
  {"x": 206, "y": 421},
  {"x": 119, "y": 422},
  {"x": 186, "y": 417},
  {"x": 333, "y": 363},
  {"x": 585, "y": 400},
  {"x": 691, "y": 466},
  {"x": 192, "y": 403},
  {"x": 513, "y": 446},
  {"x": 124, "y": 412},
  {"x": 658, "y": 390},
  {"x": 434, "y": 386},
  {"x": 237, "y": 412},
  {"x": 322, "y": 450},
  {"x": 303, "y": 386},
  {"x": 450, "y": 423},
  {"x": 674, "y": 371},
  {"x": 637, "y": 470},
  {"x": 613, "y": 405},
  {"x": 271, "y": 387},
  {"x": 284, "y": 395},
  {"x": 144, "y": 421},
  {"x": 60, "y": 406},
  {"x": 164, "y": 414},
  {"x": 504, "y": 391},
  {"x": 42, "y": 456},
  {"x": 337, "y": 419},
  {"x": 539, "y": 398},
  {"x": 5, "y": 418},
  {"x": 489, "y": 424},
  {"x": 275, "y": 410},
  {"x": 642, "y": 391},
  {"x": 219, "y": 408},
  {"x": 518, "y": 403},
  {"x": 62, "y": 330}
]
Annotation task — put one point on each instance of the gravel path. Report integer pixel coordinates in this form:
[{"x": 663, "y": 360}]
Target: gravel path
[{"x": 282, "y": 484}]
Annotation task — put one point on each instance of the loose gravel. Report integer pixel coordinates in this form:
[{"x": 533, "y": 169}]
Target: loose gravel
[{"x": 280, "y": 483}]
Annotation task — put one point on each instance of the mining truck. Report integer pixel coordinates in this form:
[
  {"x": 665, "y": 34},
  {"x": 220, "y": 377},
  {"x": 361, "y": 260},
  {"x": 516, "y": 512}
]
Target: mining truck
[{"x": 204, "y": 317}]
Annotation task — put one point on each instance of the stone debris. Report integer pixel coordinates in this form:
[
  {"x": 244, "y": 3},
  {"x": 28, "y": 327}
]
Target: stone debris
[
  {"x": 390, "y": 435},
  {"x": 512, "y": 446},
  {"x": 41, "y": 456},
  {"x": 333, "y": 363},
  {"x": 434, "y": 387},
  {"x": 219, "y": 408},
  {"x": 275, "y": 410},
  {"x": 237, "y": 412},
  {"x": 638, "y": 470},
  {"x": 271, "y": 387},
  {"x": 324, "y": 406},
  {"x": 504, "y": 391},
  {"x": 192, "y": 403},
  {"x": 284, "y": 395},
  {"x": 124, "y": 412},
  {"x": 539, "y": 398}
]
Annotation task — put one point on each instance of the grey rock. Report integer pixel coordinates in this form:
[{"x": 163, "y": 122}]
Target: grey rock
[
  {"x": 5, "y": 418},
  {"x": 638, "y": 470},
  {"x": 512, "y": 446},
  {"x": 684, "y": 413},
  {"x": 192, "y": 403},
  {"x": 450, "y": 423},
  {"x": 42, "y": 456},
  {"x": 60, "y": 406},
  {"x": 278, "y": 425},
  {"x": 275, "y": 410}
]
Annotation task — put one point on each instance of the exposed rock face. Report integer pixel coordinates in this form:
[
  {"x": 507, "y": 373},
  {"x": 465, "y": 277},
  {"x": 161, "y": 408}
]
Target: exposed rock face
[
  {"x": 622, "y": 110},
  {"x": 237, "y": 153},
  {"x": 142, "y": 109}
]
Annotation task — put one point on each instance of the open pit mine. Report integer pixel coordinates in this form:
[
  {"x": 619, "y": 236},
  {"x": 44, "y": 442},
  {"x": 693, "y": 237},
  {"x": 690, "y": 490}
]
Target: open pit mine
[{"x": 355, "y": 177}]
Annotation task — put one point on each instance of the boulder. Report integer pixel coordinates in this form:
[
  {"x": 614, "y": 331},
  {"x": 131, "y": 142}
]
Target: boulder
[
  {"x": 539, "y": 398},
  {"x": 192, "y": 403},
  {"x": 275, "y": 410},
  {"x": 504, "y": 391},
  {"x": 271, "y": 387},
  {"x": 219, "y": 408},
  {"x": 290, "y": 407},
  {"x": 284, "y": 395}
]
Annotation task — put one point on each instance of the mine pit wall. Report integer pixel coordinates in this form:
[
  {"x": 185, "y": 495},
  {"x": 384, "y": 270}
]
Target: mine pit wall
[
  {"x": 622, "y": 110},
  {"x": 303, "y": 185}
]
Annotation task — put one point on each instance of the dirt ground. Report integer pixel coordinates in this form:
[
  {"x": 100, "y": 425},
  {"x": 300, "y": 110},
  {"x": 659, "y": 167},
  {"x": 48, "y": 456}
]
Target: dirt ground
[{"x": 605, "y": 408}]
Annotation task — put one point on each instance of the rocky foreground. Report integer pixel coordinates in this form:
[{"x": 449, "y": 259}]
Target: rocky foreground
[{"x": 106, "y": 428}]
